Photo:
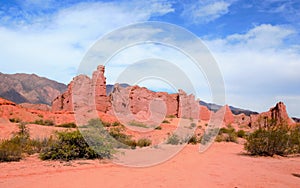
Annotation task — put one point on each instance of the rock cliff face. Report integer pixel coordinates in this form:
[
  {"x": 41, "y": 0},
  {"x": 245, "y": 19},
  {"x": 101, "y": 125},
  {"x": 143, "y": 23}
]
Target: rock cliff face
[
  {"x": 138, "y": 101},
  {"x": 228, "y": 116},
  {"x": 130, "y": 100},
  {"x": 278, "y": 114},
  {"x": 84, "y": 91},
  {"x": 99, "y": 90},
  {"x": 204, "y": 113},
  {"x": 188, "y": 106},
  {"x": 141, "y": 98}
]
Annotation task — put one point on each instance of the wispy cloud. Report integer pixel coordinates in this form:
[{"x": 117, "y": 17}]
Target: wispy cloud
[
  {"x": 258, "y": 65},
  {"x": 49, "y": 43},
  {"x": 200, "y": 12}
]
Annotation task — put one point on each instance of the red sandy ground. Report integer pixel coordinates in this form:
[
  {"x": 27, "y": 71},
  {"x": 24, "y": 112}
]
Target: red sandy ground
[{"x": 222, "y": 165}]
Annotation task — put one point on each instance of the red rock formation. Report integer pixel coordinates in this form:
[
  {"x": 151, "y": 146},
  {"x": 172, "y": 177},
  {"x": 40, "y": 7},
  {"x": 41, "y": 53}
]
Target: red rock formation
[
  {"x": 9, "y": 110},
  {"x": 204, "y": 113},
  {"x": 64, "y": 101},
  {"x": 188, "y": 106},
  {"x": 89, "y": 92},
  {"x": 242, "y": 119},
  {"x": 6, "y": 102},
  {"x": 99, "y": 86},
  {"x": 142, "y": 103},
  {"x": 276, "y": 115},
  {"x": 42, "y": 107},
  {"x": 228, "y": 117},
  {"x": 224, "y": 115}
]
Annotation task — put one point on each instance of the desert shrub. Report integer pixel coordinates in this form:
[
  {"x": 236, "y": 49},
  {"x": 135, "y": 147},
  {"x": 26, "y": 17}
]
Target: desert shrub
[
  {"x": 122, "y": 140},
  {"x": 44, "y": 122},
  {"x": 144, "y": 142},
  {"x": 193, "y": 140},
  {"x": 241, "y": 133},
  {"x": 67, "y": 125},
  {"x": 94, "y": 142},
  {"x": 173, "y": 139},
  {"x": 70, "y": 145},
  {"x": 165, "y": 121},
  {"x": 19, "y": 145},
  {"x": 209, "y": 135},
  {"x": 279, "y": 140},
  {"x": 115, "y": 124},
  {"x": 15, "y": 120},
  {"x": 10, "y": 150},
  {"x": 158, "y": 128},
  {"x": 294, "y": 141},
  {"x": 193, "y": 125},
  {"x": 171, "y": 116},
  {"x": 137, "y": 124},
  {"x": 226, "y": 135}
]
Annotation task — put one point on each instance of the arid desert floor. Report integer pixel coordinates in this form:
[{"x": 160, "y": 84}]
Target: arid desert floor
[{"x": 222, "y": 165}]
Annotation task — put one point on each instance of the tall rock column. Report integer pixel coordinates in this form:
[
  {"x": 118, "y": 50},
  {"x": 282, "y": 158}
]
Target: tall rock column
[{"x": 99, "y": 86}]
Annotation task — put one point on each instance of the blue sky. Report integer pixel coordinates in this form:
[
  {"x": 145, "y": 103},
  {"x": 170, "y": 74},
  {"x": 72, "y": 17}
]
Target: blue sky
[{"x": 255, "y": 43}]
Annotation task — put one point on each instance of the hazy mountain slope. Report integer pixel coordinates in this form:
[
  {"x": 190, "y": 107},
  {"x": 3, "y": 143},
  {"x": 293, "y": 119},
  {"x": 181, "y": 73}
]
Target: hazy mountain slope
[{"x": 29, "y": 88}]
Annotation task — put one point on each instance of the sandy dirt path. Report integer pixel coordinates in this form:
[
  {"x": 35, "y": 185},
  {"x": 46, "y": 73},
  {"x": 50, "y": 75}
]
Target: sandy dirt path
[{"x": 223, "y": 165}]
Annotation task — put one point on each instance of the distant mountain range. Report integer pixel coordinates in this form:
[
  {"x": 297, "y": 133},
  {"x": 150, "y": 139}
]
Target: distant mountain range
[
  {"x": 29, "y": 88},
  {"x": 109, "y": 88},
  {"x": 235, "y": 110}
]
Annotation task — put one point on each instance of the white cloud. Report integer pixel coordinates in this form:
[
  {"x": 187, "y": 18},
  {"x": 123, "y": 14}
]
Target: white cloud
[
  {"x": 205, "y": 11},
  {"x": 258, "y": 66},
  {"x": 53, "y": 44}
]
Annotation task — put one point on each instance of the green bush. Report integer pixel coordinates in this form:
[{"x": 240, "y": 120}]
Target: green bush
[
  {"x": 15, "y": 120},
  {"x": 227, "y": 135},
  {"x": 10, "y": 150},
  {"x": 94, "y": 142},
  {"x": 279, "y": 140},
  {"x": 173, "y": 139},
  {"x": 67, "y": 125},
  {"x": 144, "y": 142},
  {"x": 193, "y": 140},
  {"x": 165, "y": 121},
  {"x": 44, "y": 122},
  {"x": 70, "y": 145},
  {"x": 241, "y": 133},
  {"x": 193, "y": 125},
  {"x": 158, "y": 128},
  {"x": 137, "y": 124},
  {"x": 122, "y": 140},
  {"x": 19, "y": 145}
]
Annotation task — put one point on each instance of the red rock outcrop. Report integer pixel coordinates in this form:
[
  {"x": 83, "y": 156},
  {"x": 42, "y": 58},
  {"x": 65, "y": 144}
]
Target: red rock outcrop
[
  {"x": 42, "y": 107},
  {"x": 64, "y": 102},
  {"x": 141, "y": 97},
  {"x": 276, "y": 115},
  {"x": 188, "y": 106},
  {"x": 9, "y": 110},
  {"x": 137, "y": 100},
  {"x": 99, "y": 87},
  {"x": 242, "y": 119},
  {"x": 6, "y": 102},
  {"x": 204, "y": 113},
  {"x": 93, "y": 90},
  {"x": 228, "y": 116}
]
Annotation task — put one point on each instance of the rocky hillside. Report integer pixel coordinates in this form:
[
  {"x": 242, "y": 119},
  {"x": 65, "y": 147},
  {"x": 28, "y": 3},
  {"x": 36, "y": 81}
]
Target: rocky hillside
[{"x": 29, "y": 88}]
